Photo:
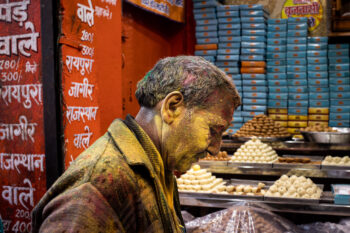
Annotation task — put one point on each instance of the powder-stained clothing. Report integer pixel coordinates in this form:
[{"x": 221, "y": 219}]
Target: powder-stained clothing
[{"x": 113, "y": 186}]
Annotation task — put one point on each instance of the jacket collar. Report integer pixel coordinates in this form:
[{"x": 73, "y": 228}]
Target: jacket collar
[{"x": 130, "y": 146}]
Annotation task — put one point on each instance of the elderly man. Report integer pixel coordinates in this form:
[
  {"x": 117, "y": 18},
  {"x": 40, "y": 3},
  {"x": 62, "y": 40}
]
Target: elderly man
[{"x": 124, "y": 182}]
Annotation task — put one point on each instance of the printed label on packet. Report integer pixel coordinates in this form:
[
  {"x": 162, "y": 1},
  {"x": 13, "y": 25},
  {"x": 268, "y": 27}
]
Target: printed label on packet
[{"x": 312, "y": 9}]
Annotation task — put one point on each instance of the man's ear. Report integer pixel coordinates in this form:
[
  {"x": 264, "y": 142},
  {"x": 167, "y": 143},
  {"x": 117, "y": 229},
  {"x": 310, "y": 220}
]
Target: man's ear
[{"x": 172, "y": 106}]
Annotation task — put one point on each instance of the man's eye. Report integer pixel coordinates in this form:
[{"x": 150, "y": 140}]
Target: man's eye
[{"x": 213, "y": 131}]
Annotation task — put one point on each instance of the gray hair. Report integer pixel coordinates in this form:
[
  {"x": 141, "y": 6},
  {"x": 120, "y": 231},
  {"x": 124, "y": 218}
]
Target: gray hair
[{"x": 193, "y": 76}]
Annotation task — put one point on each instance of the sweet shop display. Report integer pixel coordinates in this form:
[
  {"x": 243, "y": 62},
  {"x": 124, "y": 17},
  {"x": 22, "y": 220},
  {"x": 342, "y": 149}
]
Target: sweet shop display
[
  {"x": 255, "y": 151},
  {"x": 198, "y": 180},
  {"x": 221, "y": 156},
  {"x": 335, "y": 160},
  {"x": 241, "y": 189},
  {"x": 294, "y": 187},
  {"x": 262, "y": 126}
]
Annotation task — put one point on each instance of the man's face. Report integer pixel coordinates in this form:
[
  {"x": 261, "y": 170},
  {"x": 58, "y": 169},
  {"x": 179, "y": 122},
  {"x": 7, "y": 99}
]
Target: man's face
[{"x": 198, "y": 132}]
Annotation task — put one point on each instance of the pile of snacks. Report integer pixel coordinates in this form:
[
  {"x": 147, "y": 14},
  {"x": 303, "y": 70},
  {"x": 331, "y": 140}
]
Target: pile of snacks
[
  {"x": 198, "y": 180},
  {"x": 241, "y": 189},
  {"x": 221, "y": 156},
  {"x": 339, "y": 161},
  {"x": 308, "y": 173},
  {"x": 294, "y": 187},
  {"x": 262, "y": 126},
  {"x": 294, "y": 160},
  {"x": 254, "y": 151},
  {"x": 319, "y": 128}
]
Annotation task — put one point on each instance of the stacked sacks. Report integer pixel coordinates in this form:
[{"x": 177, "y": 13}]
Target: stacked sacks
[
  {"x": 297, "y": 74},
  {"x": 206, "y": 29},
  {"x": 318, "y": 74},
  {"x": 339, "y": 80},
  {"x": 254, "y": 151},
  {"x": 277, "y": 70},
  {"x": 253, "y": 50}
]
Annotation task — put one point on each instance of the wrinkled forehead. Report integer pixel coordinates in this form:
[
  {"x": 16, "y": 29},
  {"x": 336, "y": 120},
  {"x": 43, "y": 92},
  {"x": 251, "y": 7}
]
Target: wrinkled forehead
[{"x": 220, "y": 102}]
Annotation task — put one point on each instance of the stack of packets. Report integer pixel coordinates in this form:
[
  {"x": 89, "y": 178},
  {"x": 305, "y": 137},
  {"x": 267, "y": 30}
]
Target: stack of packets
[
  {"x": 236, "y": 123},
  {"x": 229, "y": 43},
  {"x": 318, "y": 81},
  {"x": 253, "y": 50},
  {"x": 339, "y": 80},
  {"x": 277, "y": 70},
  {"x": 298, "y": 98},
  {"x": 206, "y": 29}
]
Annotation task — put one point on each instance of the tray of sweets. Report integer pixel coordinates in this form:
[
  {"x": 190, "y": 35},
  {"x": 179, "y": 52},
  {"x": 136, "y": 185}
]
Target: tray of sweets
[{"x": 245, "y": 164}]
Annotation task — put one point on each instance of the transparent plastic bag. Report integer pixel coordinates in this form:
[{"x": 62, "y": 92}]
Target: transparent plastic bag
[
  {"x": 242, "y": 218},
  {"x": 327, "y": 227}
]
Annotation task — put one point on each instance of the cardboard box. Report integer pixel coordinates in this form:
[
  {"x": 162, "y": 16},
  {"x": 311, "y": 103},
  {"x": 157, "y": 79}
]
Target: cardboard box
[
  {"x": 253, "y": 70},
  {"x": 253, "y": 32},
  {"x": 339, "y": 81},
  {"x": 297, "y": 124},
  {"x": 254, "y": 89},
  {"x": 293, "y": 130},
  {"x": 279, "y": 117},
  {"x": 204, "y": 10},
  {"x": 235, "y": 76},
  {"x": 227, "y": 8},
  {"x": 206, "y": 28},
  {"x": 237, "y": 119},
  {"x": 205, "y": 52},
  {"x": 253, "y": 64},
  {"x": 207, "y": 22},
  {"x": 341, "y": 194},
  {"x": 230, "y": 14},
  {"x": 209, "y": 58},
  {"x": 230, "y": 26},
  {"x": 297, "y": 118},
  {"x": 254, "y": 38},
  {"x": 338, "y": 53},
  {"x": 250, "y": 114},
  {"x": 277, "y": 111},
  {"x": 277, "y": 21},
  {"x": 298, "y": 89},
  {"x": 276, "y": 35},
  {"x": 278, "y": 96},
  {"x": 226, "y": 63},
  {"x": 297, "y": 111},
  {"x": 273, "y": 76},
  {"x": 277, "y": 27},
  {"x": 273, "y": 62},
  {"x": 340, "y": 116},
  {"x": 252, "y": 58},
  {"x": 318, "y": 110},
  {"x": 296, "y": 68},
  {"x": 339, "y": 67},
  {"x": 273, "y": 55},
  {"x": 255, "y": 95},
  {"x": 339, "y": 74},
  {"x": 339, "y": 60},
  {"x": 318, "y": 117},
  {"x": 278, "y": 89},
  {"x": 339, "y": 109},
  {"x": 250, "y": 101},
  {"x": 296, "y": 61},
  {"x": 254, "y": 26},
  {"x": 282, "y": 123},
  {"x": 317, "y": 46},
  {"x": 230, "y": 70},
  {"x": 319, "y": 103},
  {"x": 339, "y": 124},
  {"x": 277, "y": 103},
  {"x": 297, "y": 82},
  {"x": 254, "y": 82},
  {"x": 297, "y": 26},
  {"x": 297, "y": 20},
  {"x": 227, "y": 57},
  {"x": 338, "y": 88},
  {"x": 253, "y": 76},
  {"x": 204, "y": 16},
  {"x": 318, "y": 82},
  {"x": 228, "y": 51},
  {"x": 276, "y": 48},
  {"x": 298, "y": 76},
  {"x": 318, "y": 95},
  {"x": 320, "y": 67},
  {"x": 204, "y": 4},
  {"x": 251, "y": 7},
  {"x": 317, "y": 60},
  {"x": 206, "y": 47},
  {"x": 317, "y": 74},
  {"x": 296, "y": 47},
  {"x": 316, "y": 53},
  {"x": 229, "y": 20},
  {"x": 276, "y": 41},
  {"x": 297, "y": 40},
  {"x": 318, "y": 39},
  {"x": 296, "y": 54},
  {"x": 230, "y": 45},
  {"x": 229, "y": 33},
  {"x": 319, "y": 89},
  {"x": 276, "y": 69},
  {"x": 253, "y": 44},
  {"x": 278, "y": 82},
  {"x": 213, "y": 40},
  {"x": 314, "y": 123},
  {"x": 338, "y": 46},
  {"x": 253, "y": 13},
  {"x": 340, "y": 95},
  {"x": 253, "y": 51},
  {"x": 253, "y": 19},
  {"x": 298, "y": 103}
]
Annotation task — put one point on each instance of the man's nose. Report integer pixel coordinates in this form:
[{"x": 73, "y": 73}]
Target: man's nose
[{"x": 214, "y": 146}]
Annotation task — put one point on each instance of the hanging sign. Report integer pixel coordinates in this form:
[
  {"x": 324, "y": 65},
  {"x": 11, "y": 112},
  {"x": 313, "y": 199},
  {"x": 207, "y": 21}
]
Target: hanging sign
[
  {"x": 172, "y": 9},
  {"x": 312, "y": 9}
]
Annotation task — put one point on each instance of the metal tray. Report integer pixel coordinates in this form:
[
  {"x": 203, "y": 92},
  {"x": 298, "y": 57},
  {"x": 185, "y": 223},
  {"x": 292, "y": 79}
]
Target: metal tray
[
  {"x": 340, "y": 137},
  {"x": 296, "y": 165},
  {"x": 249, "y": 165},
  {"x": 207, "y": 163},
  {"x": 334, "y": 167},
  {"x": 263, "y": 139}
]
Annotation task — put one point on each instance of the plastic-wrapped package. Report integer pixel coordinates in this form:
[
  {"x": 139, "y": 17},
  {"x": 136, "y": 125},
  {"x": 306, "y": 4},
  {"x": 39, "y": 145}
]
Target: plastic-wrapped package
[
  {"x": 327, "y": 227},
  {"x": 241, "y": 219},
  {"x": 187, "y": 217}
]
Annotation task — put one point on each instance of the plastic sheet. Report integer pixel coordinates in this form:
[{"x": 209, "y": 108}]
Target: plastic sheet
[
  {"x": 327, "y": 227},
  {"x": 242, "y": 219}
]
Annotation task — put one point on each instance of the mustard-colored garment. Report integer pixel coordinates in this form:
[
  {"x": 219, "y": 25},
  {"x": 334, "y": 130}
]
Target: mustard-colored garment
[{"x": 116, "y": 185}]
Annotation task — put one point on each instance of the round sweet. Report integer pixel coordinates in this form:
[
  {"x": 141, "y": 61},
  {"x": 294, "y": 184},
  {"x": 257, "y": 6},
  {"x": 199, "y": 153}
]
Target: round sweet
[
  {"x": 254, "y": 190},
  {"x": 180, "y": 181},
  {"x": 239, "y": 188},
  {"x": 196, "y": 167},
  {"x": 261, "y": 185},
  {"x": 247, "y": 189},
  {"x": 273, "y": 188},
  {"x": 301, "y": 191},
  {"x": 230, "y": 188},
  {"x": 282, "y": 190}
]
